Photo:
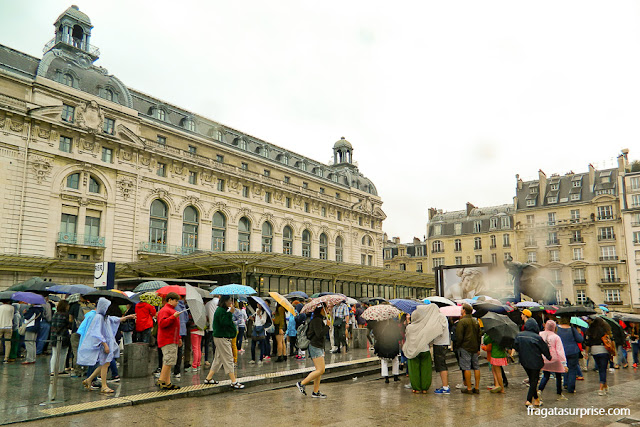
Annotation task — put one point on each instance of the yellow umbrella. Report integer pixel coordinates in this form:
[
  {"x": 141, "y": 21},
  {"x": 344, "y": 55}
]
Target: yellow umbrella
[{"x": 283, "y": 302}]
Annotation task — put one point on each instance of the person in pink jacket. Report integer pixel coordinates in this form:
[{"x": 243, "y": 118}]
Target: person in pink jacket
[{"x": 558, "y": 362}]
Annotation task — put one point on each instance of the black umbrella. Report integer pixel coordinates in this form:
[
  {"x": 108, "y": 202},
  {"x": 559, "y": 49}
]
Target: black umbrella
[
  {"x": 575, "y": 310},
  {"x": 616, "y": 330},
  {"x": 482, "y": 308},
  {"x": 500, "y": 328},
  {"x": 115, "y": 297}
]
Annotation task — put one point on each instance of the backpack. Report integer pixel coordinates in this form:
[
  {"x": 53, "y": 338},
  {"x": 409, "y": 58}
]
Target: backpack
[{"x": 303, "y": 340}]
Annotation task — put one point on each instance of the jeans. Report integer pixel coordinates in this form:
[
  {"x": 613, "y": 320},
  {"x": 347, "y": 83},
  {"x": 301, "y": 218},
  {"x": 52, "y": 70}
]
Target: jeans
[
  {"x": 208, "y": 339},
  {"x": 43, "y": 336},
  {"x": 602, "y": 360},
  {"x": 534, "y": 376},
  {"x": 144, "y": 336},
  {"x": 30, "y": 344},
  {"x": 292, "y": 345},
  {"x": 239, "y": 338},
  {"x": 261, "y": 345},
  {"x": 60, "y": 359},
  {"x": 573, "y": 363},
  {"x": 622, "y": 356},
  {"x": 635, "y": 348},
  {"x": 545, "y": 377},
  {"x": 127, "y": 337}
]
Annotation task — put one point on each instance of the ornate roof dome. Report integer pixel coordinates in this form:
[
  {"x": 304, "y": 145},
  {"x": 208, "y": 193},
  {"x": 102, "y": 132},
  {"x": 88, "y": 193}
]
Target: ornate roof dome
[
  {"x": 74, "y": 12},
  {"x": 343, "y": 143}
]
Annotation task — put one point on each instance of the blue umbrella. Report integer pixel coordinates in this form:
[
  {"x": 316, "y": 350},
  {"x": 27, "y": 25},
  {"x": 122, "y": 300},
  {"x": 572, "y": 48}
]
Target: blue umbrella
[
  {"x": 28, "y": 297},
  {"x": 242, "y": 298},
  {"x": 71, "y": 289},
  {"x": 150, "y": 286},
  {"x": 603, "y": 308},
  {"x": 406, "y": 305},
  {"x": 233, "y": 289},
  {"x": 298, "y": 294},
  {"x": 261, "y": 302}
]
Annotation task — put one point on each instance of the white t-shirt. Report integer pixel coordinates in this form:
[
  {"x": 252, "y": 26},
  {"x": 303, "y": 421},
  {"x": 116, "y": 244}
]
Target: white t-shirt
[
  {"x": 211, "y": 307},
  {"x": 444, "y": 339},
  {"x": 6, "y": 316}
]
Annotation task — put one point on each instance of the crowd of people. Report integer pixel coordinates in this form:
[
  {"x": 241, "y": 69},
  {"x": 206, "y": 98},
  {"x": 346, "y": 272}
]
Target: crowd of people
[{"x": 90, "y": 337}]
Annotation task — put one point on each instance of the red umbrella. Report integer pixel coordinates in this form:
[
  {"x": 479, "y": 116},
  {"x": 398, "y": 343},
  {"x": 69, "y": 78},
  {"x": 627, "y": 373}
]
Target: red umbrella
[{"x": 180, "y": 290}]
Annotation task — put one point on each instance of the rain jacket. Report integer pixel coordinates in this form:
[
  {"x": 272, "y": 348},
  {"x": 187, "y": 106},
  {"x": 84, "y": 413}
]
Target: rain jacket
[
  {"x": 467, "y": 334},
  {"x": 168, "y": 326},
  {"x": 102, "y": 329},
  {"x": 427, "y": 324},
  {"x": 144, "y": 316},
  {"x": 556, "y": 349},
  {"x": 531, "y": 347}
]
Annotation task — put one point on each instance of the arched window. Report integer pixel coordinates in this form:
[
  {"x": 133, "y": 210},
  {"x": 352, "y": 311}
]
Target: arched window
[
  {"x": 190, "y": 229},
  {"x": 219, "y": 135},
  {"x": 303, "y": 166},
  {"x": 160, "y": 114},
  {"x": 73, "y": 181},
  {"x": 158, "y": 226},
  {"x": 189, "y": 124},
  {"x": 339, "y": 249},
  {"x": 94, "y": 185},
  {"x": 285, "y": 159},
  {"x": 108, "y": 94},
  {"x": 218, "y": 232},
  {"x": 324, "y": 246},
  {"x": 242, "y": 144},
  {"x": 244, "y": 235},
  {"x": 366, "y": 241},
  {"x": 437, "y": 246},
  {"x": 67, "y": 79},
  {"x": 306, "y": 244},
  {"x": 287, "y": 240},
  {"x": 267, "y": 237}
]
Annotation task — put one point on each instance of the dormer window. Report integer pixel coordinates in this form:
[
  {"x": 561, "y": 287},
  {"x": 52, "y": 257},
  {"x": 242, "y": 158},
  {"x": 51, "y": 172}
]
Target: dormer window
[
  {"x": 576, "y": 183},
  {"x": 67, "y": 79},
  {"x": 285, "y": 160},
  {"x": 242, "y": 144},
  {"x": 320, "y": 172},
  {"x": 303, "y": 166},
  {"x": 160, "y": 114},
  {"x": 189, "y": 125},
  {"x": 533, "y": 190},
  {"x": 552, "y": 199},
  {"x": 555, "y": 186},
  {"x": 219, "y": 135}
]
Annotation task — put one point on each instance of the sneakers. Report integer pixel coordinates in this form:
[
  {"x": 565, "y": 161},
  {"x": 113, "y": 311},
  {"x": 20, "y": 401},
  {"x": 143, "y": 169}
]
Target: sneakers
[
  {"x": 177, "y": 376},
  {"x": 267, "y": 358},
  {"x": 319, "y": 395},
  {"x": 207, "y": 364},
  {"x": 115, "y": 379},
  {"x": 601, "y": 393},
  {"x": 252, "y": 362},
  {"x": 635, "y": 365},
  {"x": 562, "y": 397},
  {"x": 460, "y": 386},
  {"x": 260, "y": 362},
  {"x": 301, "y": 388},
  {"x": 443, "y": 390}
]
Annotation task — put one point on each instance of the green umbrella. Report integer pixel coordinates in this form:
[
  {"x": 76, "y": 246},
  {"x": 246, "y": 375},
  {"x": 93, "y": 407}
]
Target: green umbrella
[{"x": 22, "y": 286}]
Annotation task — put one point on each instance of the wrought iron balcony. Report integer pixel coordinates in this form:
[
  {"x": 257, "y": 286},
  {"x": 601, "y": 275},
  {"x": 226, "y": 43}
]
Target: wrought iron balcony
[
  {"x": 609, "y": 258},
  {"x": 81, "y": 240},
  {"x": 579, "y": 281},
  {"x": 555, "y": 242},
  {"x": 156, "y": 248},
  {"x": 610, "y": 280},
  {"x": 576, "y": 240},
  {"x": 530, "y": 244},
  {"x": 606, "y": 237}
]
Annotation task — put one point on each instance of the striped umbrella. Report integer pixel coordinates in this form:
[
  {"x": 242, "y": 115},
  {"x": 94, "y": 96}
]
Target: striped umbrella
[{"x": 150, "y": 286}]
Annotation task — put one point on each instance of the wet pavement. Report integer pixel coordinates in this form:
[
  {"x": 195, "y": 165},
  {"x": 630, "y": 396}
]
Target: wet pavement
[
  {"x": 24, "y": 390},
  {"x": 369, "y": 401}
]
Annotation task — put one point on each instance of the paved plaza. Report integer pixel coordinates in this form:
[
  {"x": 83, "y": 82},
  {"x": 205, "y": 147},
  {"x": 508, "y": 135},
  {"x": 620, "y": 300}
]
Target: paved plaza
[{"x": 369, "y": 401}]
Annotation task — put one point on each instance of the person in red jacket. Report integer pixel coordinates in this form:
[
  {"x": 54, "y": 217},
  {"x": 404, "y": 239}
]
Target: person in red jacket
[
  {"x": 169, "y": 340},
  {"x": 145, "y": 313}
]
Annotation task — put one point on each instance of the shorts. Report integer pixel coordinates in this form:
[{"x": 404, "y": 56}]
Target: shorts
[
  {"x": 439, "y": 358},
  {"x": 170, "y": 354},
  {"x": 315, "y": 352},
  {"x": 468, "y": 361}
]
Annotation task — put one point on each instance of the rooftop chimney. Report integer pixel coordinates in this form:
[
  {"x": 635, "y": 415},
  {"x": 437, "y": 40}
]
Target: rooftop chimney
[{"x": 470, "y": 207}]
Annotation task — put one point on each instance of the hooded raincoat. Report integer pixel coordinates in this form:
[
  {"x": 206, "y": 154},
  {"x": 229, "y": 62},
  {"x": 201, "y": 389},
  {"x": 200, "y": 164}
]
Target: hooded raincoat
[
  {"x": 102, "y": 329},
  {"x": 531, "y": 347},
  {"x": 556, "y": 349}
]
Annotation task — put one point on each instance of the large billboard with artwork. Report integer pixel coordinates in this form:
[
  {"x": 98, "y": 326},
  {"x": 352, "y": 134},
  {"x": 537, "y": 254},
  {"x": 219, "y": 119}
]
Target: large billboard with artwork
[{"x": 462, "y": 281}]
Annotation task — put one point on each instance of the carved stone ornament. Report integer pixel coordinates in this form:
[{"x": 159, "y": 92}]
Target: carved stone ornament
[
  {"x": 2, "y": 121},
  {"x": 88, "y": 144},
  {"x": 126, "y": 188},
  {"x": 161, "y": 192},
  {"x": 126, "y": 155},
  {"x": 16, "y": 126},
  {"x": 145, "y": 160},
  {"x": 90, "y": 117},
  {"x": 191, "y": 200},
  {"x": 43, "y": 133},
  {"x": 41, "y": 167}
]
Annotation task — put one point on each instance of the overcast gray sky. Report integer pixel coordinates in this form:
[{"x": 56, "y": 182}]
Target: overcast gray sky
[{"x": 443, "y": 101}]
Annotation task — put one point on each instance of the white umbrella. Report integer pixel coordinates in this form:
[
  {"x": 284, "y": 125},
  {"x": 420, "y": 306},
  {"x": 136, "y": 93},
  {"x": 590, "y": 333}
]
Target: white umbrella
[
  {"x": 351, "y": 301},
  {"x": 196, "y": 306}
]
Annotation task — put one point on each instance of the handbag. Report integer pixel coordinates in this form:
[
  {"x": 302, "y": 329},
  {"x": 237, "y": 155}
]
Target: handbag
[
  {"x": 258, "y": 332},
  {"x": 609, "y": 345},
  {"x": 22, "y": 329}
]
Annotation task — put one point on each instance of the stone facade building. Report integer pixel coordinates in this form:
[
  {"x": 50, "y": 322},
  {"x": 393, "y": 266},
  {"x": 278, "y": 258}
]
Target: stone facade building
[
  {"x": 405, "y": 256},
  {"x": 471, "y": 236},
  {"x": 93, "y": 170},
  {"x": 571, "y": 227},
  {"x": 629, "y": 183}
]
